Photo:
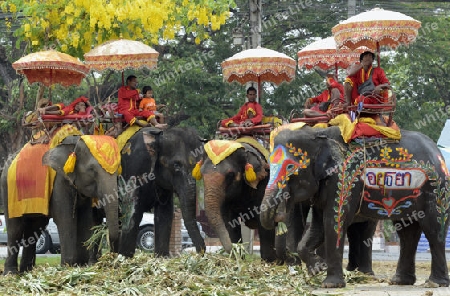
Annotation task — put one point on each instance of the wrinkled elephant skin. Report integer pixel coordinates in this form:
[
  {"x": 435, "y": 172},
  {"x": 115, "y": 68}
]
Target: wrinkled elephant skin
[
  {"x": 162, "y": 162},
  {"x": 230, "y": 198},
  {"x": 403, "y": 181},
  {"x": 70, "y": 207}
]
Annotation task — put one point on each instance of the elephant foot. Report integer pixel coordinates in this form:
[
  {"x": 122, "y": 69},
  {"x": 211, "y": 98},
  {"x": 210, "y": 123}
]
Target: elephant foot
[
  {"x": 402, "y": 280},
  {"x": 10, "y": 271},
  {"x": 351, "y": 267},
  {"x": 366, "y": 271},
  {"x": 333, "y": 282},
  {"x": 318, "y": 267},
  {"x": 437, "y": 282}
]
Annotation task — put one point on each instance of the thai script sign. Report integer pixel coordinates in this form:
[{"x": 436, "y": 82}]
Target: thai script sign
[{"x": 392, "y": 178}]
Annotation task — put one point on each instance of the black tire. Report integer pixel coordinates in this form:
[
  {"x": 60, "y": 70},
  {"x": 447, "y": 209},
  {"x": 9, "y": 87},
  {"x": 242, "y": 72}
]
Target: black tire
[
  {"x": 55, "y": 249},
  {"x": 44, "y": 243},
  {"x": 146, "y": 239}
]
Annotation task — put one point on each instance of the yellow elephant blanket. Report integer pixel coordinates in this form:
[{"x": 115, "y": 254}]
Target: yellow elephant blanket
[
  {"x": 105, "y": 150},
  {"x": 30, "y": 184}
]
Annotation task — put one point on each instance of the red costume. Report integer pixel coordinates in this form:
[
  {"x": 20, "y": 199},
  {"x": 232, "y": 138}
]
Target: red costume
[
  {"x": 325, "y": 95},
  {"x": 249, "y": 107},
  {"x": 67, "y": 110},
  {"x": 378, "y": 77},
  {"x": 128, "y": 105}
]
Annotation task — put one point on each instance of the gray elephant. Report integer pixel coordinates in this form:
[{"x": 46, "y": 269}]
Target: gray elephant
[
  {"x": 70, "y": 205},
  {"x": 155, "y": 165},
  {"x": 235, "y": 174},
  {"x": 405, "y": 181},
  {"x": 230, "y": 197}
]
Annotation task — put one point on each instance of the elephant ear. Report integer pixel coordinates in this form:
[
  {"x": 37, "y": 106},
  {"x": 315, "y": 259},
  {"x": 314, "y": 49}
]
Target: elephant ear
[
  {"x": 255, "y": 167},
  {"x": 151, "y": 140},
  {"x": 328, "y": 158},
  {"x": 150, "y": 136},
  {"x": 56, "y": 157}
]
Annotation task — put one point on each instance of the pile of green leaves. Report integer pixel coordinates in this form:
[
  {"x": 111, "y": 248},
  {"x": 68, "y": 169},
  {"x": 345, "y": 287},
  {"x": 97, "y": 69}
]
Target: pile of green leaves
[{"x": 236, "y": 273}]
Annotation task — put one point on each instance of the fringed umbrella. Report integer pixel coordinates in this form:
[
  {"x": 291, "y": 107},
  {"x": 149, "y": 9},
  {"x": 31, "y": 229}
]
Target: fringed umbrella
[
  {"x": 120, "y": 55},
  {"x": 259, "y": 65},
  {"x": 325, "y": 55},
  {"x": 376, "y": 28}
]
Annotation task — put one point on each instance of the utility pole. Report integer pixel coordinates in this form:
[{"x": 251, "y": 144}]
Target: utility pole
[
  {"x": 255, "y": 10},
  {"x": 351, "y": 8},
  {"x": 255, "y": 15}
]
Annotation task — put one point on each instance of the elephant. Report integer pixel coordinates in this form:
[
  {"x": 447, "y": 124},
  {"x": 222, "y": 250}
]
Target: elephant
[
  {"x": 229, "y": 196},
  {"x": 70, "y": 205},
  {"x": 234, "y": 187},
  {"x": 155, "y": 165},
  {"x": 405, "y": 181}
]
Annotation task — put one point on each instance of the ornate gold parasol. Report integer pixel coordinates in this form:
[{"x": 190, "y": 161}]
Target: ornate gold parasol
[
  {"x": 376, "y": 28},
  {"x": 325, "y": 55},
  {"x": 120, "y": 55},
  {"x": 259, "y": 65},
  {"x": 51, "y": 67}
]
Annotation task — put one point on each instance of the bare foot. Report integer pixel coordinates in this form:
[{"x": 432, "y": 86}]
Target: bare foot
[{"x": 161, "y": 125}]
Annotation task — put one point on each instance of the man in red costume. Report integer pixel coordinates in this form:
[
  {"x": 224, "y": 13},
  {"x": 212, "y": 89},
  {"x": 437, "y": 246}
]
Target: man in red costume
[
  {"x": 363, "y": 79},
  {"x": 128, "y": 104},
  {"x": 328, "y": 99},
  {"x": 79, "y": 107},
  {"x": 250, "y": 114}
]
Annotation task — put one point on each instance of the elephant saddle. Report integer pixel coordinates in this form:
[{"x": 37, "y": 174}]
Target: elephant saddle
[{"x": 30, "y": 183}]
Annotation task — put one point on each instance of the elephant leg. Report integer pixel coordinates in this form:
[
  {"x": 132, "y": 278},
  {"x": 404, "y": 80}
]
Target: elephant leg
[
  {"x": 360, "y": 246},
  {"x": 439, "y": 271},
  {"x": 334, "y": 248},
  {"x": 234, "y": 230},
  {"x": 163, "y": 222},
  {"x": 32, "y": 231},
  {"x": 311, "y": 240},
  {"x": 128, "y": 237},
  {"x": 84, "y": 230},
  {"x": 267, "y": 244},
  {"x": 133, "y": 208},
  {"x": 63, "y": 213},
  {"x": 96, "y": 252},
  {"x": 409, "y": 235},
  {"x": 365, "y": 247},
  {"x": 354, "y": 237},
  {"x": 15, "y": 228},
  {"x": 286, "y": 245}
]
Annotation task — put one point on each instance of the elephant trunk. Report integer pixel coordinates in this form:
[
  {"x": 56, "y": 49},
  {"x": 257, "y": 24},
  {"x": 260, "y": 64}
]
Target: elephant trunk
[
  {"x": 269, "y": 208},
  {"x": 108, "y": 192},
  {"x": 188, "y": 200},
  {"x": 214, "y": 198}
]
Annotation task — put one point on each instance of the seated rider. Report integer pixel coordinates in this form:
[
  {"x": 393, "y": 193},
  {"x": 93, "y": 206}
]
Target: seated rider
[
  {"x": 322, "y": 104},
  {"x": 128, "y": 105},
  {"x": 249, "y": 114},
  {"x": 363, "y": 79},
  {"x": 148, "y": 103},
  {"x": 78, "y": 106}
]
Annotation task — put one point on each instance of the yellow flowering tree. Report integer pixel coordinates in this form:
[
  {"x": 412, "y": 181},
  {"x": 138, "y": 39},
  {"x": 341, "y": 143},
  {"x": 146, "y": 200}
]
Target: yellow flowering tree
[{"x": 74, "y": 26}]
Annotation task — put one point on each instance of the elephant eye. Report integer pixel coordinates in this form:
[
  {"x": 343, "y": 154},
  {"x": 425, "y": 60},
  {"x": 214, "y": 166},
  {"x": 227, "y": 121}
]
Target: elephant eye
[{"x": 177, "y": 166}]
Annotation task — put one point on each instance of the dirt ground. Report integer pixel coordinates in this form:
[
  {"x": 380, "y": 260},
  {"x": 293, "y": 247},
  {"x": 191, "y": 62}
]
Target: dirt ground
[{"x": 380, "y": 287}]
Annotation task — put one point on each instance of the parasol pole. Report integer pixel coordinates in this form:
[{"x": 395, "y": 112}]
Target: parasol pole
[
  {"x": 378, "y": 53},
  {"x": 336, "y": 69},
  {"x": 50, "y": 87},
  {"x": 259, "y": 90}
]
